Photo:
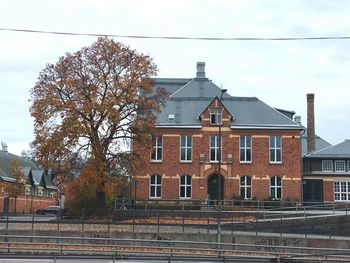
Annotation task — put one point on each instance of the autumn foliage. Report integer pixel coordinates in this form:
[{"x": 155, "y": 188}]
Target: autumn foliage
[
  {"x": 81, "y": 193},
  {"x": 16, "y": 188},
  {"x": 90, "y": 104}
]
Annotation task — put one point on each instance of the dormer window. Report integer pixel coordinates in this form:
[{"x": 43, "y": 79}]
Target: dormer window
[{"x": 215, "y": 116}]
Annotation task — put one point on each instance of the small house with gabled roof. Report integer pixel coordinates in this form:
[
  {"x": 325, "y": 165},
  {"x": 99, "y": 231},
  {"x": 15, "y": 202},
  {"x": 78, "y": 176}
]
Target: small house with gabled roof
[
  {"x": 211, "y": 145},
  {"x": 39, "y": 191}
]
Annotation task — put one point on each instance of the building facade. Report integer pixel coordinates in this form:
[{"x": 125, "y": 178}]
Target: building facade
[
  {"x": 210, "y": 145},
  {"x": 38, "y": 190},
  {"x": 327, "y": 174}
]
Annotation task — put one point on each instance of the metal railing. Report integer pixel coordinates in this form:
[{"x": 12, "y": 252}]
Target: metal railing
[{"x": 63, "y": 245}]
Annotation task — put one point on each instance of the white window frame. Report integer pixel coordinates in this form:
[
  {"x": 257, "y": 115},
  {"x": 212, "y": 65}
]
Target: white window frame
[
  {"x": 157, "y": 147},
  {"x": 327, "y": 163},
  {"x": 276, "y": 187},
  {"x": 341, "y": 163},
  {"x": 341, "y": 191},
  {"x": 186, "y": 148},
  {"x": 155, "y": 185},
  {"x": 185, "y": 186},
  {"x": 275, "y": 149},
  {"x": 216, "y": 149},
  {"x": 245, "y": 148},
  {"x": 246, "y": 186},
  {"x": 217, "y": 115}
]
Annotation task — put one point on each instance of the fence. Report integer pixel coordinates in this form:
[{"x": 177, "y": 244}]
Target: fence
[
  {"x": 190, "y": 250},
  {"x": 306, "y": 222}
]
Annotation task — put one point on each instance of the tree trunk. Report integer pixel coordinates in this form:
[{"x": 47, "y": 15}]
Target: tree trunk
[
  {"x": 101, "y": 209},
  {"x": 15, "y": 211}
]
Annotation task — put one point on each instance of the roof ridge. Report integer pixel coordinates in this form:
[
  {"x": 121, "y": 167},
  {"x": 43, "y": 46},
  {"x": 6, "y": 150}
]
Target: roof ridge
[
  {"x": 280, "y": 113},
  {"x": 178, "y": 90}
]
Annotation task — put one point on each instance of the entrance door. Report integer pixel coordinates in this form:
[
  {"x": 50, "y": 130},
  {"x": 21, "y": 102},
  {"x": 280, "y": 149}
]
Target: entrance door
[
  {"x": 213, "y": 190},
  {"x": 312, "y": 191}
]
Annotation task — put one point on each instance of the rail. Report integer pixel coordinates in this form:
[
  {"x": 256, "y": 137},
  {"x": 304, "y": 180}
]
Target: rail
[{"x": 64, "y": 245}]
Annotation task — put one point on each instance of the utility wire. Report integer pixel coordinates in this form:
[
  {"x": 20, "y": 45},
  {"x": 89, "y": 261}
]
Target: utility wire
[{"x": 179, "y": 37}]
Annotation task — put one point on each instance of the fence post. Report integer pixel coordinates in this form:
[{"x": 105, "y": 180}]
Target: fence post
[
  {"x": 183, "y": 224},
  {"x": 33, "y": 221},
  {"x": 7, "y": 226},
  {"x": 7, "y": 222},
  {"x": 264, "y": 214},
  {"x": 346, "y": 208},
  {"x": 158, "y": 222},
  {"x": 133, "y": 221},
  {"x": 58, "y": 222},
  {"x": 208, "y": 221}
]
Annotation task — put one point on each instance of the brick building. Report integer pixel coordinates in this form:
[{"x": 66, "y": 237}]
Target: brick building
[
  {"x": 260, "y": 146},
  {"x": 326, "y": 168},
  {"x": 38, "y": 189},
  {"x": 326, "y": 174}
]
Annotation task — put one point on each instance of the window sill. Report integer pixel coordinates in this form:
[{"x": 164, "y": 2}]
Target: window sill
[
  {"x": 155, "y": 161},
  {"x": 276, "y": 162},
  {"x": 185, "y": 161},
  {"x": 155, "y": 197},
  {"x": 241, "y": 162}
]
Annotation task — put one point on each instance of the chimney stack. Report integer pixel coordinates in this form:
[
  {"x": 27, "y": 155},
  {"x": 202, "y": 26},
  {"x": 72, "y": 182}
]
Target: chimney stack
[
  {"x": 200, "y": 70},
  {"x": 3, "y": 146},
  {"x": 310, "y": 123},
  {"x": 297, "y": 119}
]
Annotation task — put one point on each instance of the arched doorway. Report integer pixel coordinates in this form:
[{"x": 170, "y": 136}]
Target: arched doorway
[{"x": 213, "y": 189}]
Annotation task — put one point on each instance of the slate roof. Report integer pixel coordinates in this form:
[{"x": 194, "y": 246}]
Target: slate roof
[
  {"x": 171, "y": 85},
  {"x": 188, "y": 101},
  {"x": 32, "y": 172},
  {"x": 341, "y": 150},
  {"x": 319, "y": 143}
]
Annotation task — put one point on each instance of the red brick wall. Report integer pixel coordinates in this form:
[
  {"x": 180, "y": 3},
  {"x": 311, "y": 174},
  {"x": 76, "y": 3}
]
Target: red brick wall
[
  {"x": 260, "y": 169},
  {"x": 328, "y": 190},
  {"x": 25, "y": 204}
]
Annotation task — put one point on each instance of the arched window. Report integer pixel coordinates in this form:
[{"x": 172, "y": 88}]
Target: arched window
[
  {"x": 155, "y": 189},
  {"x": 185, "y": 186},
  {"x": 246, "y": 187},
  {"x": 276, "y": 187}
]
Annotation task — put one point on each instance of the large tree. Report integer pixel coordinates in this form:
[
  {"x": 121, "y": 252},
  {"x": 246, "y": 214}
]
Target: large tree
[{"x": 92, "y": 102}]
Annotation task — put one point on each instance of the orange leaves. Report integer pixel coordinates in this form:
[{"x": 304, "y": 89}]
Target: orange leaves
[
  {"x": 89, "y": 102},
  {"x": 17, "y": 187}
]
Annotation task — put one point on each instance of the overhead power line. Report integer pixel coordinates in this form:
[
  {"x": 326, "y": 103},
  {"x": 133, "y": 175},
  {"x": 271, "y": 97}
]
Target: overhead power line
[{"x": 180, "y": 37}]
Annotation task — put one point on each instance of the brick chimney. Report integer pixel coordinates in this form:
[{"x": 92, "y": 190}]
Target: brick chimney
[
  {"x": 310, "y": 123},
  {"x": 200, "y": 70}
]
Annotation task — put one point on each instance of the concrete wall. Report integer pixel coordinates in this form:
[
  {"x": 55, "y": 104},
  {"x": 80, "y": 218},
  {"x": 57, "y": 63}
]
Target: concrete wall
[{"x": 264, "y": 243}]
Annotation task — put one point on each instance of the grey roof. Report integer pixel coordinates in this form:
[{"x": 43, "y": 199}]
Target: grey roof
[
  {"x": 319, "y": 143},
  {"x": 171, "y": 85},
  {"x": 5, "y": 164},
  {"x": 31, "y": 171},
  {"x": 199, "y": 88},
  {"x": 288, "y": 113},
  {"x": 38, "y": 177},
  {"x": 188, "y": 102},
  {"x": 341, "y": 150}
]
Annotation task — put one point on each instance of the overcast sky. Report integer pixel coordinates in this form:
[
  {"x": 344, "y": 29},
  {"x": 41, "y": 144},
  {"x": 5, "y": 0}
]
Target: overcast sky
[{"x": 280, "y": 73}]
